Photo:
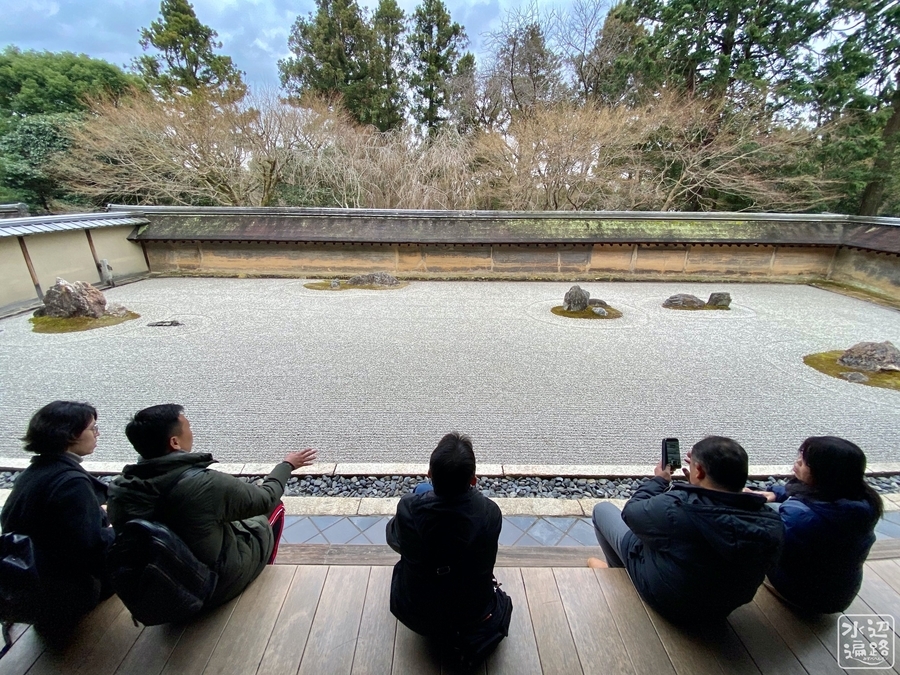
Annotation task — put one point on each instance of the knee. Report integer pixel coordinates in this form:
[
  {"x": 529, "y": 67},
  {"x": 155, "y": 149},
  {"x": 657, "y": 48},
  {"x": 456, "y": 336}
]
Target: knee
[{"x": 604, "y": 511}]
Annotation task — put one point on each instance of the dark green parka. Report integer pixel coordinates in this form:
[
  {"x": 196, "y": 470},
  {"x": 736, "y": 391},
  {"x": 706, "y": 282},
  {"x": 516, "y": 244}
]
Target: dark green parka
[{"x": 223, "y": 520}]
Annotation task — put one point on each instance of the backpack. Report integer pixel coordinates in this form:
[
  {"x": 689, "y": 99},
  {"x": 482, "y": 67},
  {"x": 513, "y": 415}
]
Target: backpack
[
  {"x": 21, "y": 599},
  {"x": 155, "y": 574},
  {"x": 20, "y": 586},
  {"x": 472, "y": 645}
]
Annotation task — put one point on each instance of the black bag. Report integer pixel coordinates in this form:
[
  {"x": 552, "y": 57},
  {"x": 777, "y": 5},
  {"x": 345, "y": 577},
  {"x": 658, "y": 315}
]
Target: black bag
[
  {"x": 21, "y": 599},
  {"x": 20, "y": 585},
  {"x": 474, "y": 644},
  {"x": 155, "y": 574}
]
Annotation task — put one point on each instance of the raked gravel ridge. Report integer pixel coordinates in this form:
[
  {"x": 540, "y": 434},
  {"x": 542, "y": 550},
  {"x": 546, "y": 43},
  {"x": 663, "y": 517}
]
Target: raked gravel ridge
[{"x": 265, "y": 365}]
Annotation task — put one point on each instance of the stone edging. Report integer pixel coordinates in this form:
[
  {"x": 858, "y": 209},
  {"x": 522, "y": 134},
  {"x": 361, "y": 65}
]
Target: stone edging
[{"x": 420, "y": 469}]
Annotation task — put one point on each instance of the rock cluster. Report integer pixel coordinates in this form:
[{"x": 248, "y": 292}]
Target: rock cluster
[
  {"x": 373, "y": 279},
  {"x": 65, "y": 300},
  {"x": 684, "y": 301},
  {"x": 873, "y": 356},
  {"x": 576, "y": 299},
  {"x": 687, "y": 301}
]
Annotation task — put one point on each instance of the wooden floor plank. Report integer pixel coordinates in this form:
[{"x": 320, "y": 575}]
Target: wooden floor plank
[
  {"x": 378, "y": 627},
  {"x": 372, "y": 554},
  {"x": 877, "y": 593},
  {"x": 85, "y": 638},
  {"x": 335, "y": 627},
  {"x": 597, "y": 640},
  {"x": 769, "y": 651},
  {"x": 150, "y": 652},
  {"x": 633, "y": 623},
  {"x": 517, "y": 654},
  {"x": 800, "y": 638},
  {"x": 112, "y": 647},
  {"x": 199, "y": 640},
  {"x": 888, "y": 570},
  {"x": 885, "y": 549},
  {"x": 730, "y": 652},
  {"x": 23, "y": 654},
  {"x": 687, "y": 649},
  {"x": 414, "y": 655},
  {"x": 556, "y": 646},
  {"x": 243, "y": 642},
  {"x": 288, "y": 640}
]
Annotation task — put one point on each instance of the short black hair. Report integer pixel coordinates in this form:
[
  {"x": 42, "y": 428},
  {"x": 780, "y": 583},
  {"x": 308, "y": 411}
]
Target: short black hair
[
  {"x": 58, "y": 425},
  {"x": 452, "y": 465},
  {"x": 724, "y": 460},
  {"x": 150, "y": 429}
]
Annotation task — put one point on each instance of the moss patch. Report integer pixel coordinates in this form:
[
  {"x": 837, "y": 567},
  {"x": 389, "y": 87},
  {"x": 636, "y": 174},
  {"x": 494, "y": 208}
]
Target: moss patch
[
  {"x": 53, "y": 324},
  {"x": 826, "y": 362},
  {"x": 326, "y": 286},
  {"x": 611, "y": 313}
]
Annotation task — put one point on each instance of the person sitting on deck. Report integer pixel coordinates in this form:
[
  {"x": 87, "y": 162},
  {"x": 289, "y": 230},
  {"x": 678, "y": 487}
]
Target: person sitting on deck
[
  {"x": 444, "y": 585},
  {"x": 829, "y": 514},
  {"x": 696, "y": 551},
  {"x": 223, "y": 520}
]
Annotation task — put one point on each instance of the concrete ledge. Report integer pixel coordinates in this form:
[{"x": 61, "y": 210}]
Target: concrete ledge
[{"x": 420, "y": 469}]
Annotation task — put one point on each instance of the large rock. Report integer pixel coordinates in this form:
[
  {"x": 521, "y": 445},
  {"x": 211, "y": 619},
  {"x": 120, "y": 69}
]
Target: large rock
[
  {"x": 597, "y": 302},
  {"x": 373, "y": 279},
  {"x": 66, "y": 300},
  {"x": 873, "y": 356},
  {"x": 719, "y": 300},
  {"x": 576, "y": 299},
  {"x": 684, "y": 301}
]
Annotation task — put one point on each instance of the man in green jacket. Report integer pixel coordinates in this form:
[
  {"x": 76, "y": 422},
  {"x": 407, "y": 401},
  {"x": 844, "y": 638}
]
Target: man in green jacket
[{"x": 223, "y": 520}]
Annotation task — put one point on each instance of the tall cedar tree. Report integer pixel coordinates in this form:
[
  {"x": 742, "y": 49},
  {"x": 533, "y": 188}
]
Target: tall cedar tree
[
  {"x": 723, "y": 48},
  {"x": 187, "y": 63},
  {"x": 860, "y": 78},
  {"x": 332, "y": 50},
  {"x": 435, "y": 43},
  {"x": 388, "y": 65}
]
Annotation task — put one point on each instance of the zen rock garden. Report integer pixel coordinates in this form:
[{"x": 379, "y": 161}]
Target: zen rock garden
[
  {"x": 876, "y": 364},
  {"x": 692, "y": 302},
  {"x": 578, "y": 304},
  {"x": 75, "y": 307},
  {"x": 371, "y": 281}
]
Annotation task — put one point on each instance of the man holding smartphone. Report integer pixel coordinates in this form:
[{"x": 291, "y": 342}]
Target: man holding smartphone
[{"x": 695, "y": 551}]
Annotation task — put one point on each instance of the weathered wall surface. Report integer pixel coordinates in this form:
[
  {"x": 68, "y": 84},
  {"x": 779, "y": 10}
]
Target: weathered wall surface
[
  {"x": 125, "y": 257},
  {"x": 502, "y": 261},
  {"x": 17, "y": 287},
  {"x": 65, "y": 254},
  {"x": 869, "y": 270}
]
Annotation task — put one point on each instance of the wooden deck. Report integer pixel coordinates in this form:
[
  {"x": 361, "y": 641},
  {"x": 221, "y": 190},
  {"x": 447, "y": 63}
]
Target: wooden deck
[{"x": 333, "y": 619}]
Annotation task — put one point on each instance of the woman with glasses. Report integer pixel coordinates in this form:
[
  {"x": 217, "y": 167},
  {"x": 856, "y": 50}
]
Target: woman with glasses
[{"x": 59, "y": 506}]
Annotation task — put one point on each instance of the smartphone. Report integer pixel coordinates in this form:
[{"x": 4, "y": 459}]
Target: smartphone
[{"x": 671, "y": 455}]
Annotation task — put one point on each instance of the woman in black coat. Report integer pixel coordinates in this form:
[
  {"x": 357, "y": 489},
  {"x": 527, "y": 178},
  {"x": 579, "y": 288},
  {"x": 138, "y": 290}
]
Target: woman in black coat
[{"x": 59, "y": 506}]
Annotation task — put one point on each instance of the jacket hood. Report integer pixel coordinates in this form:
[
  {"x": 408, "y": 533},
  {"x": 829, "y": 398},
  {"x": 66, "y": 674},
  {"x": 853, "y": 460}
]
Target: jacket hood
[
  {"x": 738, "y": 526},
  {"x": 141, "y": 484}
]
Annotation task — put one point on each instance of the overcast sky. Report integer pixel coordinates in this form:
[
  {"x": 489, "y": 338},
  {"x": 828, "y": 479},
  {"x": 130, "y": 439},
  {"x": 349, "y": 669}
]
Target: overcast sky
[{"x": 253, "y": 32}]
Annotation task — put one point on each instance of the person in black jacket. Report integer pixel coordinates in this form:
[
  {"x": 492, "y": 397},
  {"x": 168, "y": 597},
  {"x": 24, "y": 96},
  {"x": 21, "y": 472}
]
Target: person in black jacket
[
  {"x": 694, "y": 552},
  {"x": 444, "y": 586},
  {"x": 58, "y": 505}
]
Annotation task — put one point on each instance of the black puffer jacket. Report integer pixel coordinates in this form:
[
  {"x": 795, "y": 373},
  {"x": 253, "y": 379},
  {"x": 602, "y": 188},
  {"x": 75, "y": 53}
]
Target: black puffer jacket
[
  {"x": 699, "y": 554},
  {"x": 222, "y": 519},
  {"x": 57, "y": 503},
  {"x": 448, "y": 546}
]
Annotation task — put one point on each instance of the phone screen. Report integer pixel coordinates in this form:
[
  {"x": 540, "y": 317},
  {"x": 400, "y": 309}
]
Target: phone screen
[{"x": 671, "y": 455}]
